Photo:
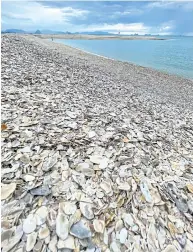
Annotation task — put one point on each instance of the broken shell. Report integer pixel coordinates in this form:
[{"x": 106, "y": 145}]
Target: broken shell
[
  {"x": 85, "y": 169},
  {"x": 99, "y": 226},
  {"x": 124, "y": 187},
  {"x": 31, "y": 240},
  {"x": 123, "y": 235},
  {"x": 145, "y": 191},
  {"x": 106, "y": 186},
  {"x": 29, "y": 224},
  {"x": 62, "y": 225},
  {"x": 43, "y": 232},
  {"x": 68, "y": 243},
  {"x": 86, "y": 209},
  {"x": 7, "y": 190},
  {"x": 41, "y": 215},
  {"x": 69, "y": 208}
]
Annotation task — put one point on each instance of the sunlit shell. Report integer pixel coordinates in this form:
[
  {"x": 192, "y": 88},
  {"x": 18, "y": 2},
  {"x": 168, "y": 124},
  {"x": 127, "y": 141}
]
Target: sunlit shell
[
  {"x": 99, "y": 226},
  {"x": 29, "y": 224},
  {"x": 62, "y": 226},
  {"x": 69, "y": 208},
  {"x": 7, "y": 190},
  {"x": 43, "y": 232},
  {"x": 31, "y": 240},
  {"x": 86, "y": 209},
  {"x": 41, "y": 215}
]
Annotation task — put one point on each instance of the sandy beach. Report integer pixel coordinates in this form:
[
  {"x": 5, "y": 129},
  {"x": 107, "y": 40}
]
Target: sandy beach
[{"x": 97, "y": 154}]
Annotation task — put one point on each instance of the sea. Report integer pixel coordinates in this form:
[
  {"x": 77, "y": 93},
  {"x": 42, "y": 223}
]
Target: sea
[{"x": 173, "y": 55}]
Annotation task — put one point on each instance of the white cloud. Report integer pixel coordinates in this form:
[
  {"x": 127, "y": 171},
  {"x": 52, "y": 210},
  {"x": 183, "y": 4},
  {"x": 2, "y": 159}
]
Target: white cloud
[
  {"x": 123, "y": 28},
  {"x": 38, "y": 14}
]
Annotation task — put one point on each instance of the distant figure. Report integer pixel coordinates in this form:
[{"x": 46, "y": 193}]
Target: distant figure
[{"x": 52, "y": 39}]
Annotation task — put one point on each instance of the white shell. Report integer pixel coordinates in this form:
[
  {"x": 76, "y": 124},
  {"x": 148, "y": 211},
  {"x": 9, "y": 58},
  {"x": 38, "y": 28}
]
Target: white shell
[
  {"x": 123, "y": 235},
  {"x": 43, "y": 232},
  {"x": 41, "y": 215},
  {"x": 31, "y": 240},
  {"x": 67, "y": 243},
  {"x": 99, "y": 226},
  {"x": 29, "y": 224},
  {"x": 7, "y": 190},
  {"x": 69, "y": 208},
  {"x": 86, "y": 209},
  {"x": 62, "y": 225},
  {"x": 85, "y": 169}
]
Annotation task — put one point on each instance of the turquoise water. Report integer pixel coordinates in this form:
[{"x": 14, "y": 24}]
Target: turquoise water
[{"x": 174, "y": 55}]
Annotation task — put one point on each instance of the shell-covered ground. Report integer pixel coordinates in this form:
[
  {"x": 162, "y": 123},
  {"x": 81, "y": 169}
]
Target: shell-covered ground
[{"x": 97, "y": 155}]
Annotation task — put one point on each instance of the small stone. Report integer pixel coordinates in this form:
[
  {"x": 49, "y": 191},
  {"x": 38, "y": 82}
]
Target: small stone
[
  {"x": 80, "y": 230},
  {"x": 41, "y": 191},
  {"x": 31, "y": 240},
  {"x": 62, "y": 225}
]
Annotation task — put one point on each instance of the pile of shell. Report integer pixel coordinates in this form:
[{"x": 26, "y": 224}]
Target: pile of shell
[{"x": 79, "y": 174}]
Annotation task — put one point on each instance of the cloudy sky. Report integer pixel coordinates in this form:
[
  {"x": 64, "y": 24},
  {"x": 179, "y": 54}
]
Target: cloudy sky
[{"x": 112, "y": 16}]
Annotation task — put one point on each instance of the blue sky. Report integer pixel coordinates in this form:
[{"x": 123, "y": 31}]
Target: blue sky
[{"x": 111, "y": 16}]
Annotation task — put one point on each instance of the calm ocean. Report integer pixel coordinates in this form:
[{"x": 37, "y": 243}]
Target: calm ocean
[{"x": 174, "y": 55}]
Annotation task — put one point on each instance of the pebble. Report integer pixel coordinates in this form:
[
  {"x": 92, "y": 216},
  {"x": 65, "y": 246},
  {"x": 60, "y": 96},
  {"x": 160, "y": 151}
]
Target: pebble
[{"x": 80, "y": 231}]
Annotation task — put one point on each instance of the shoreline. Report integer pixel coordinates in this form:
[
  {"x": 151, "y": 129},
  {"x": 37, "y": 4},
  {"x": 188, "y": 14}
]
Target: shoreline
[
  {"x": 96, "y": 153},
  {"x": 97, "y": 37},
  {"x": 129, "y": 62}
]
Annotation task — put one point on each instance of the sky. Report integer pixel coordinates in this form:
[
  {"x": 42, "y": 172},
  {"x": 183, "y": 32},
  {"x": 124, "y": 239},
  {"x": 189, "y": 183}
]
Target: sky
[{"x": 142, "y": 17}]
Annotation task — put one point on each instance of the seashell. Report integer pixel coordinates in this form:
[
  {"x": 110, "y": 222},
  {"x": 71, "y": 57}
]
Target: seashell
[
  {"x": 190, "y": 187},
  {"x": 190, "y": 205},
  {"x": 99, "y": 226},
  {"x": 62, "y": 225},
  {"x": 69, "y": 208},
  {"x": 29, "y": 224},
  {"x": 182, "y": 205},
  {"x": 28, "y": 178},
  {"x": 101, "y": 161},
  {"x": 119, "y": 225},
  {"x": 86, "y": 209},
  {"x": 49, "y": 163},
  {"x": 75, "y": 218},
  {"x": 52, "y": 244},
  {"x": 85, "y": 169},
  {"x": 80, "y": 230},
  {"x": 145, "y": 192},
  {"x": 99, "y": 194},
  {"x": 91, "y": 134},
  {"x": 123, "y": 235},
  {"x": 106, "y": 186},
  {"x": 10, "y": 243},
  {"x": 43, "y": 232},
  {"x": 172, "y": 229},
  {"x": 128, "y": 220},
  {"x": 66, "y": 244},
  {"x": 47, "y": 239},
  {"x": 7, "y": 190},
  {"x": 51, "y": 219},
  {"x": 41, "y": 215},
  {"x": 41, "y": 191},
  {"x": 31, "y": 241},
  {"x": 114, "y": 247},
  {"x": 38, "y": 246},
  {"x": 124, "y": 187},
  {"x": 170, "y": 248}
]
